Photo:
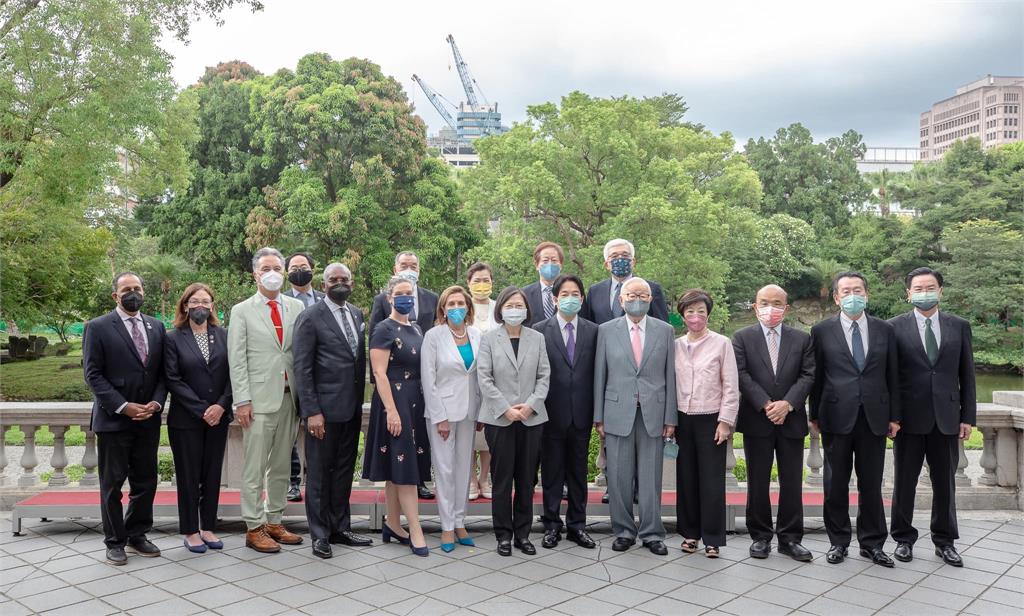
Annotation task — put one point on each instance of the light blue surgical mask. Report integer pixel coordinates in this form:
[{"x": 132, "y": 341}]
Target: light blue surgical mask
[
  {"x": 456, "y": 315},
  {"x": 550, "y": 271},
  {"x": 853, "y": 305},
  {"x": 925, "y": 300},
  {"x": 569, "y": 304},
  {"x": 411, "y": 275}
]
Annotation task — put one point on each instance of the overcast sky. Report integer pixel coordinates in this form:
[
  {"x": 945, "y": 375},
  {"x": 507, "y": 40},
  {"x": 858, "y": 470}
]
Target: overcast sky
[{"x": 744, "y": 67}]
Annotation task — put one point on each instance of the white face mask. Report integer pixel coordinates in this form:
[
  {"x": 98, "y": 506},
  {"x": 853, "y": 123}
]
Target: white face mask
[
  {"x": 513, "y": 316},
  {"x": 272, "y": 281},
  {"x": 411, "y": 275}
]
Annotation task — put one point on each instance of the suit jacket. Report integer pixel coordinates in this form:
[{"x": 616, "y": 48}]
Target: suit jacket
[
  {"x": 943, "y": 394},
  {"x": 194, "y": 384},
  {"x": 570, "y": 401},
  {"x": 425, "y": 309},
  {"x": 258, "y": 362},
  {"x": 450, "y": 390},
  {"x": 759, "y": 385},
  {"x": 840, "y": 389},
  {"x": 329, "y": 377},
  {"x": 619, "y": 384},
  {"x": 598, "y": 307},
  {"x": 507, "y": 378},
  {"x": 317, "y": 295},
  {"x": 115, "y": 372}
]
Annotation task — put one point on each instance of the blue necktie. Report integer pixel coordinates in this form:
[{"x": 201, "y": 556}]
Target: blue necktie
[{"x": 858, "y": 347}]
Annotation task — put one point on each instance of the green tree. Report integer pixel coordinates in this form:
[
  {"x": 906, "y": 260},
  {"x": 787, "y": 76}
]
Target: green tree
[{"x": 166, "y": 273}]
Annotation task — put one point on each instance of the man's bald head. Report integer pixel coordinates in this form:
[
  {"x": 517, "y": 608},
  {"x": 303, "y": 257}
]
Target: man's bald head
[{"x": 771, "y": 295}]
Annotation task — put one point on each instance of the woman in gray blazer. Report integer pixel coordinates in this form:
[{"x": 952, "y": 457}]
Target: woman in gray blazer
[
  {"x": 450, "y": 391},
  {"x": 513, "y": 372}
]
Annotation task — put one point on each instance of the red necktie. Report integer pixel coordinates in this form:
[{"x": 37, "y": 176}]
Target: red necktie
[{"x": 275, "y": 317}]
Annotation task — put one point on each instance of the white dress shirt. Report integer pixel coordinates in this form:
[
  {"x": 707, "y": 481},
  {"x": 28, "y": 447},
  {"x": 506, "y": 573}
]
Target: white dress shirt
[
  {"x": 340, "y": 314},
  {"x": 308, "y": 298},
  {"x": 862, "y": 323},
  {"x": 922, "y": 327},
  {"x": 778, "y": 333},
  {"x": 561, "y": 327}
]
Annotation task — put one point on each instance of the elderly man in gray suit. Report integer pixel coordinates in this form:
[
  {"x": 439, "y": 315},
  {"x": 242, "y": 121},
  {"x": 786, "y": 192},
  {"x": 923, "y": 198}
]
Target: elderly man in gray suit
[{"x": 635, "y": 410}]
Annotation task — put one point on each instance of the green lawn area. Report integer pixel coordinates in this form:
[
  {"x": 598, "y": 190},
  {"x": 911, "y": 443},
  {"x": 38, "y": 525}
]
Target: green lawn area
[{"x": 49, "y": 378}]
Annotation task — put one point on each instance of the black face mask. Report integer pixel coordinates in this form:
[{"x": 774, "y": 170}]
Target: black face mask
[
  {"x": 300, "y": 278},
  {"x": 132, "y": 301},
  {"x": 199, "y": 315},
  {"x": 339, "y": 293}
]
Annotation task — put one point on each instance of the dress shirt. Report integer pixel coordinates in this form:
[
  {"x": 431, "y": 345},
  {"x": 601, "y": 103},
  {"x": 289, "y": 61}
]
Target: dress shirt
[
  {"x": 707, "y": 380},
  {"x": 612, "y": 297},
  {"x": 308, "y": 298},
  {"x": 847, "y": 324},
  {"x": 575, "y": 327},
  {"x": 340, "y": 313},
  {"x": 643, "y": 330},
  {"x": 142, "y": 328},
  {"x": 922, "y": 327},
  {"x": 778, "y": 333}
]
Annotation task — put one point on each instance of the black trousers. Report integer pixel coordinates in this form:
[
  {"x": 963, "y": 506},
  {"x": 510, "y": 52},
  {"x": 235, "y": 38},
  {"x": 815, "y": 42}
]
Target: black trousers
[
  {"x": 759, "y": 452},
  {"x": 198, "y": 458},
  {"x": 330, "y": 463},
  {"x": 515, "y": 458},
  {"x": 700, "y": 480},
  {"x": 563, "y": 461},
  {"x": 296, "y": 476},
  {"x": 128, "y": 455},
  {"x": 864, "y": 451},
  {"x": 943, "y": 454}
]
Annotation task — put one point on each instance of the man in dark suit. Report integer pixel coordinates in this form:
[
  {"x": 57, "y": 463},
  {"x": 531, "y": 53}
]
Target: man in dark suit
[
  {"x": 407, "y": 265},
  {"x": 571, "y": 343},
  {"x": 548, "y": 259},
  {"x": 938, "y": 396},
  {"x": 122, "y": 354},
  {"x": 330, "y": 374},
  {"x": 776, "y": 372},
  {"x": 603, "y": 304},
  {"x": 300, "y": 268},
  {"x": 855, "y": 404}
]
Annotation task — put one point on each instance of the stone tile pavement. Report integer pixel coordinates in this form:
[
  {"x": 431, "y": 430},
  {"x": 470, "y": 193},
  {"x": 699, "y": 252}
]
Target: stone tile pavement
[{"x": 57, "y": 568}]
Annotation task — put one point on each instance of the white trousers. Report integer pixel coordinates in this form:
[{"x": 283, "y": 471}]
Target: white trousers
[{"x": 452, "y": 460}]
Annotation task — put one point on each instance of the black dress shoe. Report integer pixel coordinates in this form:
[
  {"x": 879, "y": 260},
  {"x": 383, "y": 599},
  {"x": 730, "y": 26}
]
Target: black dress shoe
[
  {"x": 524, "y": 546},
  {"x": 836, "y": 554},
  {"x": 424, "y": 492},
  {"x": 604, "y": 497},
  {"x": 949, "y": 555},
  {"x": 581, "y": 538},
  {"x": 621, "y": 544},
  {"x": 348, "y": 537},
  {"x": 904, "y": 552},
  {"x": 116, "y": 556},
  {"x": 760, "y": 549},
  {"x": 143, "y": 547},
  {"x": 322, "y": 548},
  {"x": 795, "y": 551},
  {"x": 295, "y": 494},
  {"x": 551, "y": 539},
  {"x": 877, "y": 556},
  {"x": 656, "y": 547},
  {"x": 504, "y": 547}
]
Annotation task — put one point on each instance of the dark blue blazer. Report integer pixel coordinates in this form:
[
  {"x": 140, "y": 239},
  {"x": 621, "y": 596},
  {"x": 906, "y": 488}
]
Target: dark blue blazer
[
  {"x": 195, "y": 385},
  {"x": 115, "y": 372},
  {"x": 570, "y": 401},
  {"x": 598, "y": 308}
]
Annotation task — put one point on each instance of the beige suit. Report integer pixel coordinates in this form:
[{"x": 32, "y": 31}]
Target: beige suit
[{"x": 260, "y": 368}]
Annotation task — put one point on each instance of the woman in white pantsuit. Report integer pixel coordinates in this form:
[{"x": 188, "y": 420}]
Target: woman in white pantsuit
[{"x": 448, "y": 373}]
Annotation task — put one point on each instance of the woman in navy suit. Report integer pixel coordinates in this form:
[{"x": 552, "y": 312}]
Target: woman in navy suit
[{"x": 196, "y": 367}]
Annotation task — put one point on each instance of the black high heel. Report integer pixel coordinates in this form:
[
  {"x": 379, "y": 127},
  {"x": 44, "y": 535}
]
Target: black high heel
[{"x": 386, "y": 534}]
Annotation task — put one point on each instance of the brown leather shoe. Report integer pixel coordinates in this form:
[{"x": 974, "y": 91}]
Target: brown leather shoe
[
  {"x": 281, "y": 534},
  {"x": 258, "y": 539}
]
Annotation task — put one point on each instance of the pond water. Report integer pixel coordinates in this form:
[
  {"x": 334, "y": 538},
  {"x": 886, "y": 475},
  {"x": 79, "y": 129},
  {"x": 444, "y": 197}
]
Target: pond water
[{"x": 988, "y": 382}]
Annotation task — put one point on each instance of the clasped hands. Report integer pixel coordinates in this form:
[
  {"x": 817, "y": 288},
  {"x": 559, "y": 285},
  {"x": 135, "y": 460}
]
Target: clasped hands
[
  {"x": 518, "y": 412},
  {"x": 141, "y": 412}
]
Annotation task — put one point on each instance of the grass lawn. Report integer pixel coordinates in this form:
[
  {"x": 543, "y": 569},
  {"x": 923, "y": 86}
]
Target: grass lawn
[{"x": 49, "y": 378}]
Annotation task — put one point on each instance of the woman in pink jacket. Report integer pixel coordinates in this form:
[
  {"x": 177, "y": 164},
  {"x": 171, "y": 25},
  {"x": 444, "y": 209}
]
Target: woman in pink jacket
[{"x": 707, "y": 391}]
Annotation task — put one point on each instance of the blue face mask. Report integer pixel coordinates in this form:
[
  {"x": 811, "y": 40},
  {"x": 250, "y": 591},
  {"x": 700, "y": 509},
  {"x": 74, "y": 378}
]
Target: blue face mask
[
  {"x": 569, "y": 305},
  {"x": 550, "y": 271},
  {"x": 853, "y": 305},
  {"x": 456, "y": 315},
  {"x": 622, "y": 267},
  {"x": 404, "y": 303}
]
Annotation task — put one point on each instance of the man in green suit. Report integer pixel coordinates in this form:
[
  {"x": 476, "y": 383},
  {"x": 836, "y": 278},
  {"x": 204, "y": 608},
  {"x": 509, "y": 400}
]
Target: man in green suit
[{"x": 260, "y": 355}]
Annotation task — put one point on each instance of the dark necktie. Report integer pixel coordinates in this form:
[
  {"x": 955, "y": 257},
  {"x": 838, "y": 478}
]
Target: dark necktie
[
  {"x": 140, "y": 342},
  {"x": 617, "y": 310},
  {"x": 931, "y": 345},
  {"x": 858, "y": 347},
  {"x": 570, "y": 343},
  {"x": 275, "y": 318},
  {"x": 549, "y": 302},
  {"x": 349, "y": 334}
]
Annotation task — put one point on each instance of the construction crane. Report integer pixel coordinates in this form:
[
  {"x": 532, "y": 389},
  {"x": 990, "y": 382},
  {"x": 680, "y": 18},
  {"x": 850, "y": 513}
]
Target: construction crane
[
  {"x": 467, "y": 80},
  {"x": 437, "y": 101}
]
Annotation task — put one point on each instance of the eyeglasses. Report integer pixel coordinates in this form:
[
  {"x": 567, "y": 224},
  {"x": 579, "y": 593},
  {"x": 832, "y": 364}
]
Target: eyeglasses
[
  {"x": 194, "y": 303},
  {"x": 638, "y": 296}
]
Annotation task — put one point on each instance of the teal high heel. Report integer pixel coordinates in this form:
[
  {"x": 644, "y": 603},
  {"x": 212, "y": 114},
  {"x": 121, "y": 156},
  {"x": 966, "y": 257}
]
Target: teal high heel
[
  {"x": 466, "y": 541},
  {"x": 447, "y": 547}
]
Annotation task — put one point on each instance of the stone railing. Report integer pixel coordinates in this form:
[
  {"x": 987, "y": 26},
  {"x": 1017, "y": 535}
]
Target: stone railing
[{"x": 1000, "y": 422}]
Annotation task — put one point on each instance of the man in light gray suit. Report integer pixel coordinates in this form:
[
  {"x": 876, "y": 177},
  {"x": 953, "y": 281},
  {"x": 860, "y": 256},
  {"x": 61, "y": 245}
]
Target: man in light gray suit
[{"x": 635, "y": 410}]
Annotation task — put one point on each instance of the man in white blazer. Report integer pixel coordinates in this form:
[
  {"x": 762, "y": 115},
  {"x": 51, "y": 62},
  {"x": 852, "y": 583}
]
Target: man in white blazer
[
  {"x": 260, "y": 356},
  {"x": 635, "y": 410}
]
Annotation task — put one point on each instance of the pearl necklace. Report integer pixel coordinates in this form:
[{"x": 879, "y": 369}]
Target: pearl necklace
[{"x": 456, "y": 335}]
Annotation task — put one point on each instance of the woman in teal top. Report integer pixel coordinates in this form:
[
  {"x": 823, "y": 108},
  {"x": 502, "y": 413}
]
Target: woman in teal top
[{"x": 452, "y": 398}]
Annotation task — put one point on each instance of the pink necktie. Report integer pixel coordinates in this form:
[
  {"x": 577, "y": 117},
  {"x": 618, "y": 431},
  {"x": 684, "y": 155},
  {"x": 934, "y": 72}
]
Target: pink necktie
[{"x": 638, "y": 350}]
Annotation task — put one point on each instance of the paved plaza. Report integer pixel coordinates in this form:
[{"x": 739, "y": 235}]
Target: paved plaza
[{"x": 56, "y": 567}]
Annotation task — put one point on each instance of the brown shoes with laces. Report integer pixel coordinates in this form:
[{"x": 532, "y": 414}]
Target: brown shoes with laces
[
  {"x": 281, "y": 534},
  {"x": 258, "y": 539}
]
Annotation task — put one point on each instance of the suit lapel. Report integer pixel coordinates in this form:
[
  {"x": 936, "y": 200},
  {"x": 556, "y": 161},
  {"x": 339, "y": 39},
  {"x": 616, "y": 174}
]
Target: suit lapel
[
  {"x": 762, "y": 347},
  {"x": 506, "y": 345},
  {"x": 263, "y": 313},
  {"x": 649, "y": 343},
  {"x": 947, "y": 332},
  {"x": 785, "y": 347},
  {"x": 332, "y": 322},
  {"x": 627, "y": 342},
  {"x": 554, "y": 330},
  {"x": 837, "y": 330},
  {"x": 190, "y": 342},
  {"x": 123, "y": 331}
]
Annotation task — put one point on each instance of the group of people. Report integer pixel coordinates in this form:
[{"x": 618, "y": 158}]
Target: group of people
[{"x": 520, "y": 381}]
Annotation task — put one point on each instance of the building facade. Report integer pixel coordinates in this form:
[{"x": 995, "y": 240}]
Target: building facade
[{"x": 988, "y": 109}]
